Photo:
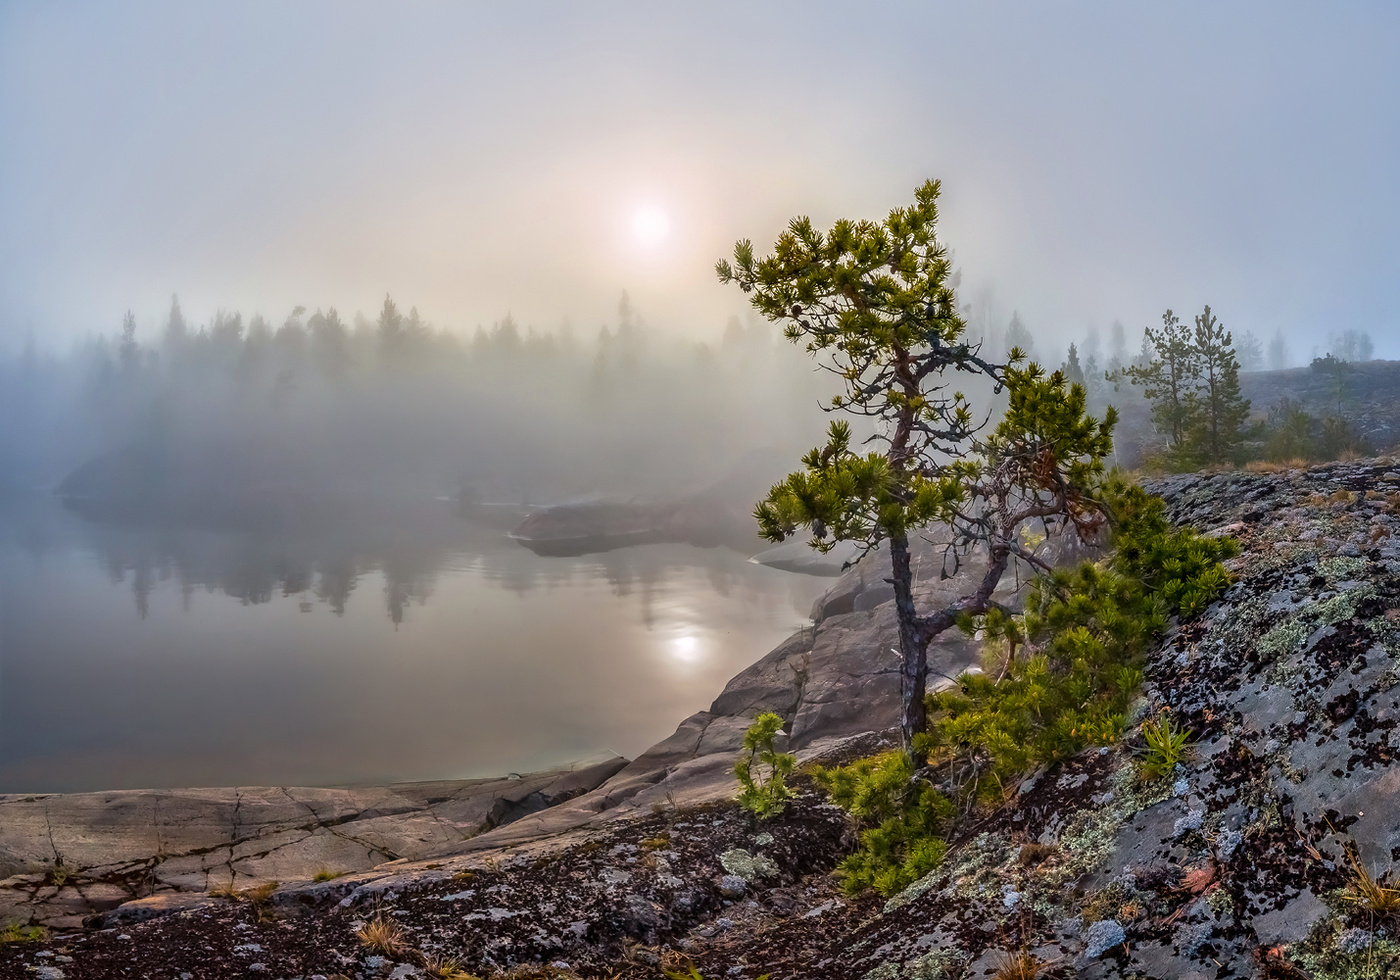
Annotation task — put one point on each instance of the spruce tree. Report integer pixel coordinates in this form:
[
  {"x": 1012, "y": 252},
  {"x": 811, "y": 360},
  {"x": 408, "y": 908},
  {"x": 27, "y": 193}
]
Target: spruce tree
[
  {"x": 1073, "y": 372},
  {"x": 1018, "y": 338},
  {"x": 1218, "y": 410}
]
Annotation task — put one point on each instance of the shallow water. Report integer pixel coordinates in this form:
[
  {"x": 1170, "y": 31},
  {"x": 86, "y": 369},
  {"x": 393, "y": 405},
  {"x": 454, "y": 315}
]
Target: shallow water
[{"x": 413, "y": 646}]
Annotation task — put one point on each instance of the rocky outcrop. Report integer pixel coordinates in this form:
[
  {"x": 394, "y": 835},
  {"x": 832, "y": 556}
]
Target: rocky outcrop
[
  {"x": 1238, "y": 864},
  {"x": 67, "y": 856},
  {"x": 1364, "y": 394}
]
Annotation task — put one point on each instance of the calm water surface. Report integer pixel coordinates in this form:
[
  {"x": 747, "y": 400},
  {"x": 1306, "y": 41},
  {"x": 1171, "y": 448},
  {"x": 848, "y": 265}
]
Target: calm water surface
[{"x": 414, "y": 646}]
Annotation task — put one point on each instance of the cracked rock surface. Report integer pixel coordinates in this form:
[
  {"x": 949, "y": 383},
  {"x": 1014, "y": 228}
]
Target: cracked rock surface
[{"x": 67, "y": 856}]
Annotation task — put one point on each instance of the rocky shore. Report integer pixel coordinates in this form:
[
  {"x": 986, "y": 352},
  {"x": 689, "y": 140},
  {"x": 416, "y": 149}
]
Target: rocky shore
[{"x": 1243, "y": 863}]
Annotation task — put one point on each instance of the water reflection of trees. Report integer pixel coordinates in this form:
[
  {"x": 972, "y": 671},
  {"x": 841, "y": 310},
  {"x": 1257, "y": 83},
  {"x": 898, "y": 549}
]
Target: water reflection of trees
[{"x": 323, "y": 566}]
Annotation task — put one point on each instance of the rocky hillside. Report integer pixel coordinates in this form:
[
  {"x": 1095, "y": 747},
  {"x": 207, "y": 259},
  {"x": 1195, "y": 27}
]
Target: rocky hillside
[
  {"x": 1252, "y": 859},
  {"x": 1368, "y": 395}
]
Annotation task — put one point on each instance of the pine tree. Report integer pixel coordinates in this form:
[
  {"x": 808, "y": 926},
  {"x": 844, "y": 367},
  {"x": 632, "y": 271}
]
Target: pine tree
[
  {"x": 1167, "y": 379},
  {"x": 874, "y": 300},
  {"x": 1218, "y": 411},
  {"x": 1250, "y": 352},
  {"x": 1117, "y": 347},
  {"x": 392, "y": 336}
]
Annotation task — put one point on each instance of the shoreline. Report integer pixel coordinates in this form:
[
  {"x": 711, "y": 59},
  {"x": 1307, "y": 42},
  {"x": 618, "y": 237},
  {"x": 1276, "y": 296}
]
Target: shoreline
[{"x": 71, "y": 858}]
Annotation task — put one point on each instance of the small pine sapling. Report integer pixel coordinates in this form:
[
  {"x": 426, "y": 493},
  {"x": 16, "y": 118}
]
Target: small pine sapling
[
  {"x": 1178, "y": 564},
  {"x": 901, "y": 822},
  {"x": 1065, "y": 671},
  {"x": 1074, "y": 655},
  {"x": 1166, "y": 744},
  {"x": 763, "y": 770}
]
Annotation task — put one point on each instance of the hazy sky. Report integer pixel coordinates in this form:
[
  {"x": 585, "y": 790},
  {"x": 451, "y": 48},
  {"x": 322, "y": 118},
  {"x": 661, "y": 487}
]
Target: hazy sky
[{"x": 1100, "y": 161}]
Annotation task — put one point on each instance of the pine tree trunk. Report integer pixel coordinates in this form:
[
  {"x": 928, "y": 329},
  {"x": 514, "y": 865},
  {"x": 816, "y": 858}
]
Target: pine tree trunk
[{"x": 913, "y": 650}]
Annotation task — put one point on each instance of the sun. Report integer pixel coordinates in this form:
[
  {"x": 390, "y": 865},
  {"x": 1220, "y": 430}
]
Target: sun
[{"x": 650, "y": 226}]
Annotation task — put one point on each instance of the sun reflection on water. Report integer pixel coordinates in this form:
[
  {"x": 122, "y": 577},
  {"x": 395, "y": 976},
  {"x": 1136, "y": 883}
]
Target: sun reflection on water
[{"x": 686, "y": 647}]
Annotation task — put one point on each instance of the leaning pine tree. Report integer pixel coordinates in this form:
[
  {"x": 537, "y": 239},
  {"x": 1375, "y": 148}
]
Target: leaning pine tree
[{"x": 872, "y": 300}]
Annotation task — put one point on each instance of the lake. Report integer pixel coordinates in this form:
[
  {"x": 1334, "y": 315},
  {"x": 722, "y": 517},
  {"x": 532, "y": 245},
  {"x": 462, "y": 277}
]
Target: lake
[{"x": 408, "y": 645}]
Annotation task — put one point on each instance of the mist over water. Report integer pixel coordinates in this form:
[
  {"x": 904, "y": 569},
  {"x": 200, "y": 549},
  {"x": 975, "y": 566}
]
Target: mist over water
[
  {"x": 143, "y": 656},
  {"x": 234, "y": 554}
]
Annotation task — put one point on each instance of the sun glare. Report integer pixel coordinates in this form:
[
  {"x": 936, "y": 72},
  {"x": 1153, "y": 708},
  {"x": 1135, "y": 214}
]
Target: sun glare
[
  {"x": 651, "y": 226},
  {"x": 686, "y": 647}
]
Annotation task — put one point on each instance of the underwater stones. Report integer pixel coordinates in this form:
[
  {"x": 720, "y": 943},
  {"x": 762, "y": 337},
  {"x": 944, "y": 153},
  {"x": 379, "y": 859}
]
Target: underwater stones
[{"x": 126, "y": 844}]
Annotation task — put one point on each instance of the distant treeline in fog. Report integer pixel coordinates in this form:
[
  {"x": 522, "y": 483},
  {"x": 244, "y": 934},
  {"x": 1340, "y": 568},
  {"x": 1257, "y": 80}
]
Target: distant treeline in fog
[
  {"x": 395, "y": 406},
  {"x": 317, "y": 407}
]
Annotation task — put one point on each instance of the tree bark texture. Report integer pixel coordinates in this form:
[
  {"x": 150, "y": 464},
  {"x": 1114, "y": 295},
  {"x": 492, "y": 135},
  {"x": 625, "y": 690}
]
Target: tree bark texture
[{"x": 913, "y": 649}]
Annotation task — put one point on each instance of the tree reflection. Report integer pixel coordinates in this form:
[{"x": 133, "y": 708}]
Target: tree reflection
[{"x": 321, "y": 565}]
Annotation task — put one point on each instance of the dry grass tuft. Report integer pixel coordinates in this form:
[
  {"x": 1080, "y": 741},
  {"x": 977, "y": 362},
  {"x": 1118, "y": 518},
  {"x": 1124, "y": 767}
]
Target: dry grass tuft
[
  {"x": 1379, "y": 896},
  {"x": 1275, "y": 466},
  {"x": 258, "y": 896},
  {"x": 326, "y": 874},
  {"x": 384, "y": 936},
  {"x": 526, "y": 972},
  {"x": 446, "y": 968},
  {"x": 1020, "y": 966}
]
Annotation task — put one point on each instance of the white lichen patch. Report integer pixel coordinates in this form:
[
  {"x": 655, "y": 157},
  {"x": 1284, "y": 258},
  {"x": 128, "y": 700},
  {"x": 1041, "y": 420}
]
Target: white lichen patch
[{"x": 750, "y": 867}]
